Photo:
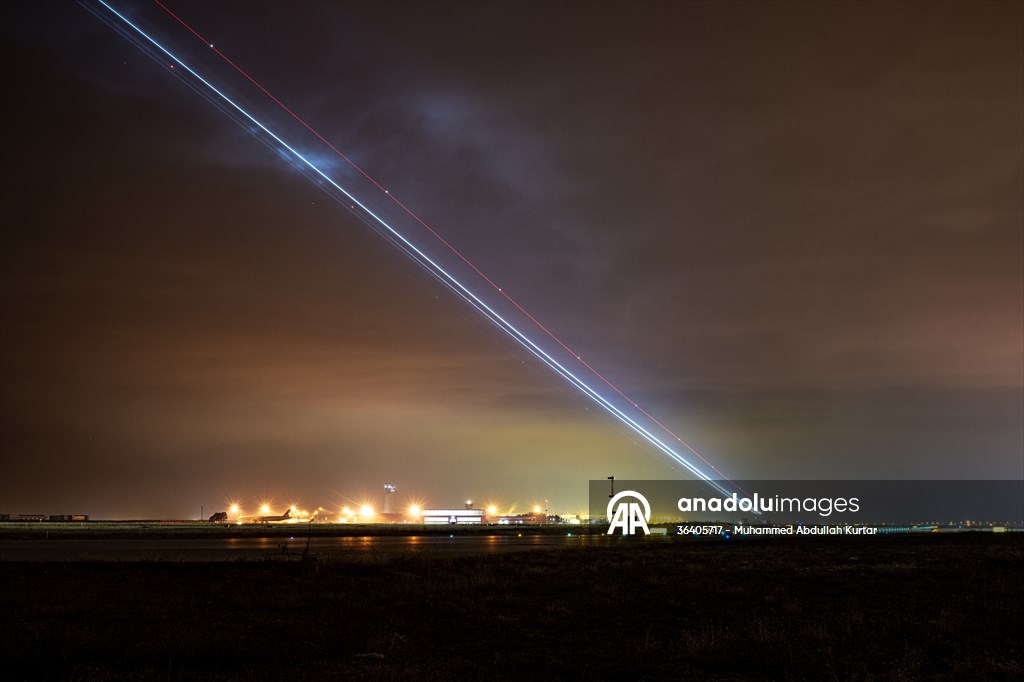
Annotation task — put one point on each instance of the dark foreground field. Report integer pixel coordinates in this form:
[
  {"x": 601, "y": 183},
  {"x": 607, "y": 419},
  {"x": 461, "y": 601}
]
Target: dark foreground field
[{"x": 924, "y": 607}]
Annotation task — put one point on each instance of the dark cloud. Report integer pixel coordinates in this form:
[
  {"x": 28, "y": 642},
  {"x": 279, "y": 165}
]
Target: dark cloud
[{"x": 793, "y": 232}]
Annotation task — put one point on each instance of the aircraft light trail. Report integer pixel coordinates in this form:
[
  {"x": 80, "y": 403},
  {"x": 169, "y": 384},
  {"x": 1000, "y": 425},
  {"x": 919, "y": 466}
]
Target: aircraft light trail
[
  {"x": 434, "y": 233},
  {"x": 374, "y": 219}
]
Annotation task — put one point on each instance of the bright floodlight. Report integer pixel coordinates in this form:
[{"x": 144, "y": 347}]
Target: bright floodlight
[
  {"x": 536, "y": 509},
  {"x": 234, "y": 509},
  {"x": 492, "y": 510},
  {"x": 414, "y": 510},
  {"x": 265, "y": 509},
  {"x": 365, "y": 512}
]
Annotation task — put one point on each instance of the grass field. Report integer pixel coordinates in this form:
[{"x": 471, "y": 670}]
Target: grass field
[{"x": 899, "y": 607}]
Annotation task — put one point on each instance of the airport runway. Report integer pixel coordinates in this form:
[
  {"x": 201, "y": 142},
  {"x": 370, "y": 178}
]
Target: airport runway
[{"x": 227, "y": 549}]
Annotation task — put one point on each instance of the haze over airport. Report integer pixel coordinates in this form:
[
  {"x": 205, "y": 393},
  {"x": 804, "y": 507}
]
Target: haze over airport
[{"x": 792, "y": 232}]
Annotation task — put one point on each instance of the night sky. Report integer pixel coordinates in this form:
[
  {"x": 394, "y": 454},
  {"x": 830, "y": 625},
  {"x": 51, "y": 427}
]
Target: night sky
[{"x": 792, "y": 232}]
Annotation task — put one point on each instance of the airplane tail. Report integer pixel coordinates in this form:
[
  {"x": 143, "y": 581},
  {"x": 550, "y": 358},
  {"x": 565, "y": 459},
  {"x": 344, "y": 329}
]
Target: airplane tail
[{"x": 287, "y": 514}]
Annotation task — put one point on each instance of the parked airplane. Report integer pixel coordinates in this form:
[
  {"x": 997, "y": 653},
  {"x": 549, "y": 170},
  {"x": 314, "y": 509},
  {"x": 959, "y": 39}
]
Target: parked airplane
[{"x": 283, "y": 518}]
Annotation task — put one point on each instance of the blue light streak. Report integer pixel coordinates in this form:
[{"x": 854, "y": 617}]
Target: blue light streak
[{"x": 428, "y": 264}]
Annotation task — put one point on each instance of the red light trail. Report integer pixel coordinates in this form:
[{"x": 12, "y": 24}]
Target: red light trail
[{"x": 433, "y": 232}]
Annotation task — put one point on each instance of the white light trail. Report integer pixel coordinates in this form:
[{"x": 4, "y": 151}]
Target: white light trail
[{"x": 416, "y": 254}]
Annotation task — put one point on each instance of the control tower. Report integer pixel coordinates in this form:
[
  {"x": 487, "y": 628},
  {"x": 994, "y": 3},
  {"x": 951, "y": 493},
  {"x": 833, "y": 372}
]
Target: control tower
[{"x": 389, "y": 498}]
